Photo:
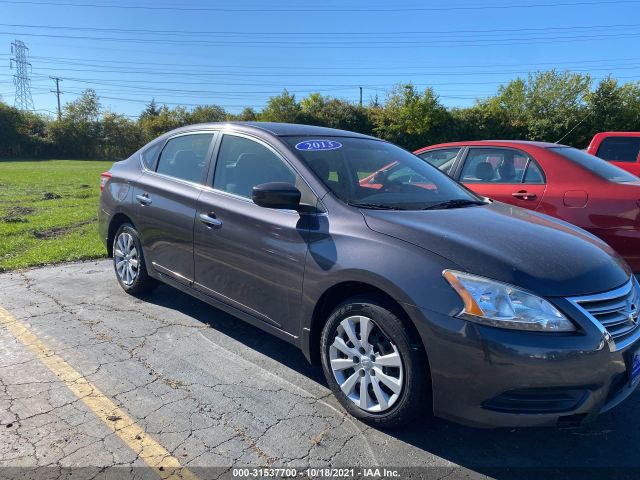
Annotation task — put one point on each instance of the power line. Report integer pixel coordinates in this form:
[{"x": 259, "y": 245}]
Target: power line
[
  {"x": 23, "y": 99},
  {"x": 159, "y": 92},
  {"x": 364, "y": 9},
  {"x": 242, "y": 74},
  {"x": 130, "y": 83},
  {"x": 351, "y": 66},
  {"x": 446, "y": 43},
  {"x": 307, "y": 33}
]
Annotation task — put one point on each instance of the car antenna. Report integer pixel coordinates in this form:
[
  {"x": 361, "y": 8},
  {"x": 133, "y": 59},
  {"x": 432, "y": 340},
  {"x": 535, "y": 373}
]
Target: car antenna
[{"x": 574, "y": 127}]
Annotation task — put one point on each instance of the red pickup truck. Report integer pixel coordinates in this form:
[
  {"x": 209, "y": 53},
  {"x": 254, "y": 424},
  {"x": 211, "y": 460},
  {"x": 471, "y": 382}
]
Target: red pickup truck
[{"x": 620, "y": 148}]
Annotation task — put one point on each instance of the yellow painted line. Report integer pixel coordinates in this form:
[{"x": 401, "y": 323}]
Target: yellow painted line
[{"x": 151, "y": 452}]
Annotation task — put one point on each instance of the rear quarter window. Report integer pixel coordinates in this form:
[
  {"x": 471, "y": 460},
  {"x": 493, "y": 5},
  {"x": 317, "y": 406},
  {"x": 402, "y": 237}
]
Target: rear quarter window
[
  {"x": 149, "y": 154},
  {"x": 596, "y": 165}
]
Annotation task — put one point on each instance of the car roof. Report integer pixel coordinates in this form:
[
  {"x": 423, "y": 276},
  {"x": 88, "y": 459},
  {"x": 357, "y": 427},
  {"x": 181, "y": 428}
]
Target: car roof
[
  {"x": 496, "y": 143},
  {"x": 282, "y": 129},
  {"x": 620, "y": 134}
]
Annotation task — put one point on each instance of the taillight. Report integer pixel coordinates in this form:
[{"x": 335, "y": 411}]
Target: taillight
[{"x": 104, "y": 178}]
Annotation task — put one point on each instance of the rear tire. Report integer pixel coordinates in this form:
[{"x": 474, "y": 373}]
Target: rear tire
[
  {"x": 129, "y": 263},
  {"x": 382, "y": 379}
]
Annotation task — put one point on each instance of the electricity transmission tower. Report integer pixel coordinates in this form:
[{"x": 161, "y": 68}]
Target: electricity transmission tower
[{"x": 21, "y": 80}]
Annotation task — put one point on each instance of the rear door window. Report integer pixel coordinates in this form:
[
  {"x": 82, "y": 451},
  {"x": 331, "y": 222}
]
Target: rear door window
[
  {"x": 619, "y": 149},
  {"x": 185, "y": 157}
]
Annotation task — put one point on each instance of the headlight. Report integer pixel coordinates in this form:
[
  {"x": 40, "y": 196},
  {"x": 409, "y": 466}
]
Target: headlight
[{"x": 502, "y": 305}]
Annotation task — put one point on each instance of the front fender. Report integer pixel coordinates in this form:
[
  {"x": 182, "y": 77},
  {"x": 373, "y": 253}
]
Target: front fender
[{"x": 409, "y": 274}]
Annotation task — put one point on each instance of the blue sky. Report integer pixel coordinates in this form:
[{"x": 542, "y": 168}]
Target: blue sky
[{"x": 237, "y": 53}]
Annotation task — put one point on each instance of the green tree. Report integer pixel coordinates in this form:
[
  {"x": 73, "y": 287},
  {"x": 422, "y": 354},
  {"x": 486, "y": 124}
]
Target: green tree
[
  {"x": 151, "y": 110},
  {"x": 77, "y": 133},
  {"x": 543, "y": 106},
  {"x": 282, "y": 108},
  {"x": 248, "y": 114},
  {"x": 630, "y": 120},
  {"x": 207, "y": 113},
  {"x": 614, "y": 107},
  {"x": 412, "y": 119},
  {"x": 555, "y": 106},
  {"x": 167, "y": 119},
  {"x": 22, "y": 133},
  {"x": 335, "y": 113},
  {"x": 120, "y": 136}
]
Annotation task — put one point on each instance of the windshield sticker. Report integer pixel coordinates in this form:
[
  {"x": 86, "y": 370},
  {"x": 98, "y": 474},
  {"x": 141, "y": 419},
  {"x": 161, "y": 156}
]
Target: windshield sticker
[{"x": 318, "y": 145}]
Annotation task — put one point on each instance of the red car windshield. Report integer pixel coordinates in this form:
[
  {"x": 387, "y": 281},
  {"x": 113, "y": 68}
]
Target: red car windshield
[
  {"x": 596, "y": 165},
  {"x": 375, "y": 174}
]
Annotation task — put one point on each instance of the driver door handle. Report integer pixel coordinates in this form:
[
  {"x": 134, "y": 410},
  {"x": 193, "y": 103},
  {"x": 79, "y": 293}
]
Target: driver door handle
[
  {"x": 210, "y": 220},
  {"x": 144, "y": 199},
  {"x": 524, "y": 195}
]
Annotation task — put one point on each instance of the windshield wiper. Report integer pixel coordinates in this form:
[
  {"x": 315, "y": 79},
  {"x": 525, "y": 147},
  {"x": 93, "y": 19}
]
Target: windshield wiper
[
  {"x": 374, "y": 206},
  {"x": 456, "y": 203}
]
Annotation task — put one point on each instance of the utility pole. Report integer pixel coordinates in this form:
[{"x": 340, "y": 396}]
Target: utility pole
[
  {"x": 23, "y": 100},
  {"x": 58, "y": 93},
  {"x": 360, "y": 96}
]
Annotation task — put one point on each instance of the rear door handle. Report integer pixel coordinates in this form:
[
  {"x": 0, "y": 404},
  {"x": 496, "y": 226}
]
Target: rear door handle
[
  {"x": 209, "y": 220},
  {"x": 524, "y": 195},
  {"x": 144, "y": 199}
]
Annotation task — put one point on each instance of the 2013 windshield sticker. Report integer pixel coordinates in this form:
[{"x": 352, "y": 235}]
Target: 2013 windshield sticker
[{"x": 318, "y": 145}]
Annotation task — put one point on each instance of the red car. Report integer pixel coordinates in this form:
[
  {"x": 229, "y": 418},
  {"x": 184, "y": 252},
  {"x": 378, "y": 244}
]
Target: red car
[
  {"x": 620, "y": 148},
  {"x": 554, "y": 179}
]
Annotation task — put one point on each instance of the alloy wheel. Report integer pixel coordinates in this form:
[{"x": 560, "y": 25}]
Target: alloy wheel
[
  {"x": 366, "y": 364},
  {"x": 126, "y": 258}
]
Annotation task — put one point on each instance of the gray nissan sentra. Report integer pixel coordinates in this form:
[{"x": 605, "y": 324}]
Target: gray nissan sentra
[{"x": 413, "y": 293}]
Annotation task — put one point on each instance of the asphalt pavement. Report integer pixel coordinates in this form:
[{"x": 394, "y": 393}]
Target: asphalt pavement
[{"x": 94, "y": 381}]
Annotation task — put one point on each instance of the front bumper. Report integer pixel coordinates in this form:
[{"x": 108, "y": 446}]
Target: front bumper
[{"x": 490, "y": 377}]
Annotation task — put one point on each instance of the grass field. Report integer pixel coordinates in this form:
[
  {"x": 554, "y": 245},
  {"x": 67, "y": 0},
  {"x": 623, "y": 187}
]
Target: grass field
[{"x": 48, "y": 211}]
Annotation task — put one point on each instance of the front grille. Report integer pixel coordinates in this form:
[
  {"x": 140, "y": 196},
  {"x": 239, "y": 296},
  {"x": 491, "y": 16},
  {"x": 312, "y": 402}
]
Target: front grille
[{"x": 617, "y": 311}]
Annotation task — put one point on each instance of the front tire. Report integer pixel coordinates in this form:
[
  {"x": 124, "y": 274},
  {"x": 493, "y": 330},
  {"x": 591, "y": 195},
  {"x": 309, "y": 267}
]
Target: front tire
[
  {"x": 129, "y": 263},
  {"x": 373, "y": 365}
]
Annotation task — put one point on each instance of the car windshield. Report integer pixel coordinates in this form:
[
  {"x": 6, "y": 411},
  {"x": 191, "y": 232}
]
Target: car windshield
[
  {"x": 371, "y": 173},
  {"x": 596, "y": 165}
]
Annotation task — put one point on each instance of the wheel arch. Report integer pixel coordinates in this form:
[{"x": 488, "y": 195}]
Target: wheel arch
[{"x": 340, "y": 292}]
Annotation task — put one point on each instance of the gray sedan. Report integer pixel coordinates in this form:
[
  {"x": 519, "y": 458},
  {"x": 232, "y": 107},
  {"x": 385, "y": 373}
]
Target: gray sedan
[{"x": 413, "y": 293}]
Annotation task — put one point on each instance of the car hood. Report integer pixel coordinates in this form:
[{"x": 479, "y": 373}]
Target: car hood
[{"x": 512, "y": 245}]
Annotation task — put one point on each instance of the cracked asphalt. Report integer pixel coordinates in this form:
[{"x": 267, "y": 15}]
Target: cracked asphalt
[{"x": 216, "y": 392}]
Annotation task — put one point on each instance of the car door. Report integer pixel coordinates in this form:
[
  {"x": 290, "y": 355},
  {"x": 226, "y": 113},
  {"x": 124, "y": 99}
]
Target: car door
[
  {"x": 504, "y": 174},
  {"x": 247, "y": 256},
  {"x": 165, "y": 199}
]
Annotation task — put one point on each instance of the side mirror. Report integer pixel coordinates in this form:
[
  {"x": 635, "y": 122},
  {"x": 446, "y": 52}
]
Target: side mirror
[{"x": 281, "y": 195}]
